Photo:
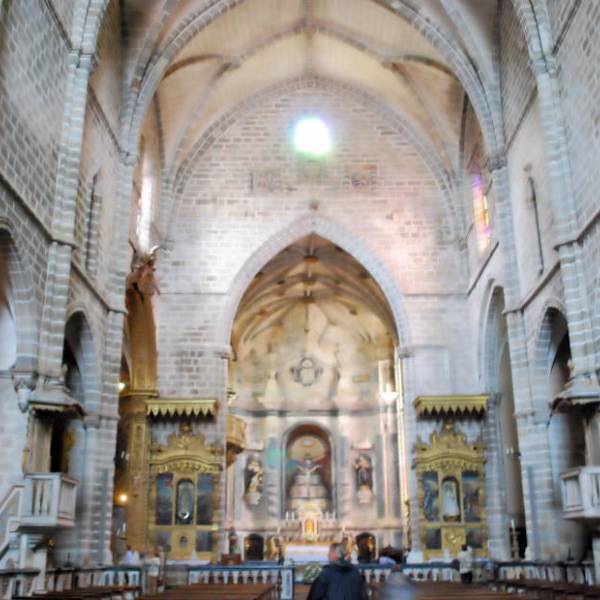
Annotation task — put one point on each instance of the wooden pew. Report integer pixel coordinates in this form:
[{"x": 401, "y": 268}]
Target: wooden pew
[
  {"x": 114, "y": 592},
  {"x": 552, "y": 590},
  {"x": 216, "y": 591},
  {"x": 450, "y": 591}
]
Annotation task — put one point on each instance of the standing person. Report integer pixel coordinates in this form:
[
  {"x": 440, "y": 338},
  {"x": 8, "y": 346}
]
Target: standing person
[
  {"x": 465, "y": 564},
  {"x": 339, "y": 580},
  {"x": 162, "y": 569},
  {"x": 153, "y": 567},
  {"x": 398, "y": 587}
]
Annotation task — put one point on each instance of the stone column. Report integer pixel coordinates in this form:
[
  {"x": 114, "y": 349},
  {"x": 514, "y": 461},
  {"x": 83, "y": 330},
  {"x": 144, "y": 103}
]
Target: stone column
[
  {"x": 533, "y": 437},
  {"x": 408, "y": 430},
  {"x": 221, "y": 359},
  {"x": 388, "y": 427},
  {"x": 564, "y": 208},
  {"x": 56, "y": 292},
  {"x": 498, "y": 526}
]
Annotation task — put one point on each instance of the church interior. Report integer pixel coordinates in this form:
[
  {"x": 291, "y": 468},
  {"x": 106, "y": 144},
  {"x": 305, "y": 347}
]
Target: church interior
[{"x": 276, "y": 274}]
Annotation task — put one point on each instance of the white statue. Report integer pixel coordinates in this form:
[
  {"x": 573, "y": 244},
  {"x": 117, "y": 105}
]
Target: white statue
[{"x": 450, "y": 508}]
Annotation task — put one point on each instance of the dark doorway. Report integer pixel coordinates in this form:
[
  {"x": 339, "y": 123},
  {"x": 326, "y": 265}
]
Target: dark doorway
[{"x": 254, "y": 547}]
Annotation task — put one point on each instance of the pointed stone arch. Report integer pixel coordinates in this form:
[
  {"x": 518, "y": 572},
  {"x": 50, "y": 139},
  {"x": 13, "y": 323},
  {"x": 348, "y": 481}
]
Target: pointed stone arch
[
  {"x": 22, "y": 303},
  {"x": 551, "y": 329},
  {"x": 80, "y": 341},
  {"x": 338, "y": 235},
  {"x": 491, "y": 343}
]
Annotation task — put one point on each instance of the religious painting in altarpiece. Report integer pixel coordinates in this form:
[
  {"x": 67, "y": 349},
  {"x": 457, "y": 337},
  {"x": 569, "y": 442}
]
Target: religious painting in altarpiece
[
  {"x": 183, "y": 501},
  {"x": 450, "y": 474}
]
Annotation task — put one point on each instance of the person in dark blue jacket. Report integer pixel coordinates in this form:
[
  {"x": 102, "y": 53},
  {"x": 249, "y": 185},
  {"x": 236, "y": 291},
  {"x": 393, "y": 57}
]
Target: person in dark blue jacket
[{"x": 339, "y": 580}]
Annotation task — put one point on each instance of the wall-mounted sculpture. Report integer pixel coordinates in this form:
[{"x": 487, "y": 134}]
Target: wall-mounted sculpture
[
  {"x": 308, "y": 469},
  {"x": 253, "y": 480},
  {"x": 363, "y": 467}
]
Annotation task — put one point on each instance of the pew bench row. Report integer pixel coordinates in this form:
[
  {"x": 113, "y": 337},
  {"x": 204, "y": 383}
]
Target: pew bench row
[
  {"x": 115, "y": 592},
  {"x": 212, "y": 591}
]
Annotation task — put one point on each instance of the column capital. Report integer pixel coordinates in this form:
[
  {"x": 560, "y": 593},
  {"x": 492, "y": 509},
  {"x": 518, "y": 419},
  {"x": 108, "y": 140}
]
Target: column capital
[
  {"x": 497, "y": 160},
  {"x": 544, "y": 64},
  {"x": 80, "y": 59},
  {"x": 129, "y": 159}
]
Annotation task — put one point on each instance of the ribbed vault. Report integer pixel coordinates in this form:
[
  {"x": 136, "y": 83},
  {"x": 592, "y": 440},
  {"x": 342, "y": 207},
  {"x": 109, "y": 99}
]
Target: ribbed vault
[
  {"x": 199, "y": 60},
  {"x": 310, "y": 332}
]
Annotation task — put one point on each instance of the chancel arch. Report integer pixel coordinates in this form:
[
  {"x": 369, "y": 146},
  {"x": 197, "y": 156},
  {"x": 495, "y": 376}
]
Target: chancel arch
[{"x": 313, "y": 354}]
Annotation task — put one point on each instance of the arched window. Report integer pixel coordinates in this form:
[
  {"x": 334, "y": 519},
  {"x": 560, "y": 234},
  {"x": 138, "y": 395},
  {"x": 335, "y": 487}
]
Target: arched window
[{"x": 481, "y": 208}]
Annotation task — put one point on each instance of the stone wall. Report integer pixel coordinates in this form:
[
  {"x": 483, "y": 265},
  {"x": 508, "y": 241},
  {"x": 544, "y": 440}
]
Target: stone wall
[{"x": 250, "y": 185}]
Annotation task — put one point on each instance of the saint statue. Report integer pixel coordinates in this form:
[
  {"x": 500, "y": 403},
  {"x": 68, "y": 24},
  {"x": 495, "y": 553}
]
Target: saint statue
[
  {"x": 274, "y": 548},
  {"x": 253, "y": 477},
  {"x": 364, "y": 472},
  {"x": 450, "y": 508},
  {"x": 185, "y": 502}
]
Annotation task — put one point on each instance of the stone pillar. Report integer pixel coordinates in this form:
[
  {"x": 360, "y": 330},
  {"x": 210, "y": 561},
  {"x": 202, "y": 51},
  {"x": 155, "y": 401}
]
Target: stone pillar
[
  {"x": 531, "y": 427},
  {"x": 388, "y": 428},
  {"x": 498, "y": 525},
  {"x": 541, "y": 514},
  {"x": 573, "y": 272},
  {"x": 596, "y": 551},
  {"x": 408, "y": 429},
  {"x": 56, "y": 292},
  {"x": 221, "y": 359}
]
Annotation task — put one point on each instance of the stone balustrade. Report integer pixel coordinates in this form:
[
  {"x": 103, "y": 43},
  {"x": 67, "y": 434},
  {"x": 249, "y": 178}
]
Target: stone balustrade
[
  {"x": 564, "y": 572},
  {"x": 10, "y": 509},
  {"x": 48, "y": 501},
  {"x": 76, "y": 578},
  {"x": 580, "y": 490},
  {"x": 281, "y": 576}
]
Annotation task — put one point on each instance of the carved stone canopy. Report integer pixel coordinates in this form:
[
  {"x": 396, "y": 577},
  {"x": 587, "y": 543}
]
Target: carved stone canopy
[{"x": 451, "y": 405}]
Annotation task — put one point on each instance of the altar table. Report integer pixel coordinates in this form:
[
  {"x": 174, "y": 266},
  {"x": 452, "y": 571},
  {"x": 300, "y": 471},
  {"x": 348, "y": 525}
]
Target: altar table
[{"x": 305, "y": 553}]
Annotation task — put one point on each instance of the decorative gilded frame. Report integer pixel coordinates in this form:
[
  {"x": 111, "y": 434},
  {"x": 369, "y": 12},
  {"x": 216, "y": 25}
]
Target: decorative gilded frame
[{"x": 449, "y": 455}]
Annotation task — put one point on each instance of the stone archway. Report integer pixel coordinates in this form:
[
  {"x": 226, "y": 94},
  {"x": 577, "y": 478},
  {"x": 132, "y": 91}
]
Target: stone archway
[{"x": 339, "y": 236}]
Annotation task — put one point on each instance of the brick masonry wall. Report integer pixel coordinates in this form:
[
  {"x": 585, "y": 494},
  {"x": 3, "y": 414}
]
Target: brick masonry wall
[
  {"x": 559, "y": 12},
  {"x": 246, "y": 186},
  {"x": 517, "y": 81},
  {"x": 577, "y": 58},
  {"x": 250, "y": 184},
  {"x": 34, "y": 65}
]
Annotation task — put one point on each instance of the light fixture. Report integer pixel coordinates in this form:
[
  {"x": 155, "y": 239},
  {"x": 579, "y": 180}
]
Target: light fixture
[
  {"x": 311, "y": 136},
  {"x": 122, "y": 498},
  {"x": 121, "y": 386}
]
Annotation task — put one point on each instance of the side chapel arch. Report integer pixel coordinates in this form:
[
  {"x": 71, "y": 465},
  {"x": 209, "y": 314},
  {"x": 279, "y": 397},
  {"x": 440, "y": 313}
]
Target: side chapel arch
[{"x": 18, "y": 313}]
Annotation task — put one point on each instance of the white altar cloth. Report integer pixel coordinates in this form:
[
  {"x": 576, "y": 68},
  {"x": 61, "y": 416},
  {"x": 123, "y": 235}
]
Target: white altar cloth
[{"x": 305, "y": 553}]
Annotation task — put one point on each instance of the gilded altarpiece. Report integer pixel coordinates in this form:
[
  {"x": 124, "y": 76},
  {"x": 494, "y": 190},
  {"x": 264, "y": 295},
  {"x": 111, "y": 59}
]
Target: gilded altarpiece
[
  {"x": 451, "y": 492},
  {"x": 184, "y": 495}
]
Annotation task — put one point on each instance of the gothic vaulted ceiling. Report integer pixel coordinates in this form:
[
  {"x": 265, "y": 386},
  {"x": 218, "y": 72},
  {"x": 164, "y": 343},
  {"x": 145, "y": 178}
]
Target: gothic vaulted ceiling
[
  {"x": 310, "y": 332},
  {"x": 198, "y": 59}
]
